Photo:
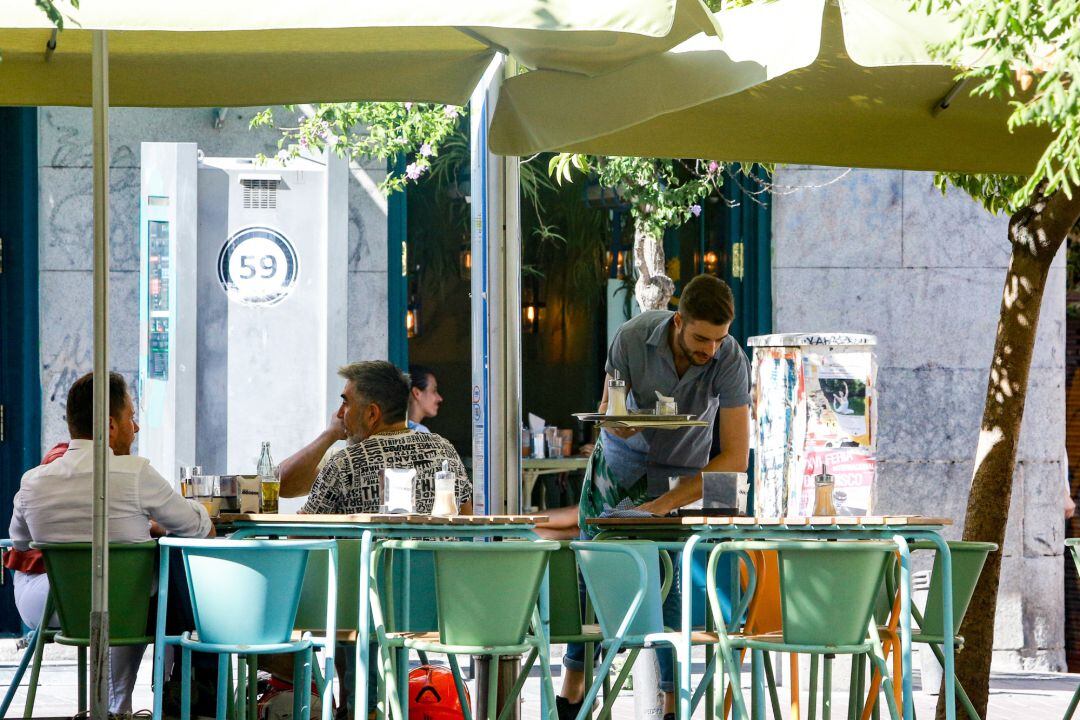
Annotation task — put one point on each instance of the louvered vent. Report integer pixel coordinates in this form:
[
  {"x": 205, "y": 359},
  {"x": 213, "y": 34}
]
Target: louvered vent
[{"x": 260, "y": 194}]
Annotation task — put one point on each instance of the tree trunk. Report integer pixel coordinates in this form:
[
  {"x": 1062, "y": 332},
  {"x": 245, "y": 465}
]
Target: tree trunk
[
  {"x": 1036, "y": 233},
  {"x": 654, "y": 288}
]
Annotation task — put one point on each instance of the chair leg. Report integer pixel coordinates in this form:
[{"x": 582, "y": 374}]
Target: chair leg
[
  {"x": 253, "y": 687},
  {"x": 35, "y": 671},
  {"x": 616, "y": 688},
  {"x": 24, "y": 662},
  {"x": 793, "y": 666},
  {"x": 757, "y": 696},
  {"x": 826, "y": 688},
  {"x": 83, "y": 681},
  {"x": 222, "y": 686},
  {"x": 770, "y": 678},
  {"x": 876, "y": 659},
  {"x": 961, "y": 694},
  {"x": 811, "y": 710},
  {"x": 493, "y": 688},
  {"x": 1072, "y": 704},
  {"x": 241, "y": 687},
  {"x": 185, "y": 684},
  {"x": 459, "y": 683}
]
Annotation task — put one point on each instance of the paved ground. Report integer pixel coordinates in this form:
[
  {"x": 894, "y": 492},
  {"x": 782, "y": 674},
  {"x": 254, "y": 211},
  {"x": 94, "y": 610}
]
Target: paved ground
[{"x": 1013, "y": 695}]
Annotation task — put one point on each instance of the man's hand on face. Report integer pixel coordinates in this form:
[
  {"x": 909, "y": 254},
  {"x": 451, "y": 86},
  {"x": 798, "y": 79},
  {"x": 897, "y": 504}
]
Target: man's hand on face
[{"x": 336, "y": 428}]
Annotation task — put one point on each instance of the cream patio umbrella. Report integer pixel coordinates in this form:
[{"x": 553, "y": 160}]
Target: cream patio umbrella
[
  {"x": 794, "y": 81},
  {"x": 228, "y": 52}
]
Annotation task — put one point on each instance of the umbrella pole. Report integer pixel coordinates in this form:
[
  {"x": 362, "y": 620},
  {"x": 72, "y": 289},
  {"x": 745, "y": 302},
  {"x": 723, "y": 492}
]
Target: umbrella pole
[{"x": 99, "y": 613}]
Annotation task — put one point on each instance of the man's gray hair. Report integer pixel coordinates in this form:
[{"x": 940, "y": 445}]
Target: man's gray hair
[{"x": 380, "y": 382}]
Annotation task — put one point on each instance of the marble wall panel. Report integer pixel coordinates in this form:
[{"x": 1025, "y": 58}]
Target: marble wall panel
[
  {"x": 367, "y": 316},
  {"x": 367, "y": 220},
  {"x": 829, "y": 217},
  {"x": 934, "y": 414},
  {"x": 1042, "y": 506},
  {"x": 66, "y": 219},
  {"x": 951, "y": 230}
]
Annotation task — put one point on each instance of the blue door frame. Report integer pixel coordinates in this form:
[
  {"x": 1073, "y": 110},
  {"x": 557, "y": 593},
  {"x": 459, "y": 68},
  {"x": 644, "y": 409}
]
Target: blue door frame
[{"x": 20, "y": 385}]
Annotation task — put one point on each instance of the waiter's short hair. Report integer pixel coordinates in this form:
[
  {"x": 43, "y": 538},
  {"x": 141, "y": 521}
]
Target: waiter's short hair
[
  {"x": 380, "y": 382},
  {"x": 709, "y": 299},
  {"x": 80, "y": 403}
]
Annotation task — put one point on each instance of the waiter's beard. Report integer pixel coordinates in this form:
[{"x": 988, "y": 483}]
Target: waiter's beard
[{"x": 693, "y": 357}]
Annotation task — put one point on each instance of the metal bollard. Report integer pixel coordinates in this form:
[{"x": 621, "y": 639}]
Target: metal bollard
[{"x": 509, "y": 667}]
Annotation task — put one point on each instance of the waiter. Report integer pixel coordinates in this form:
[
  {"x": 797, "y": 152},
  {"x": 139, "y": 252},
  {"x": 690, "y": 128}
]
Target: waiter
[{"x": 690, "y": 356}]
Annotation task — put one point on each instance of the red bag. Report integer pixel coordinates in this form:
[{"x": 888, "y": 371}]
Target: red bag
[{"x": 433, "y": 695}]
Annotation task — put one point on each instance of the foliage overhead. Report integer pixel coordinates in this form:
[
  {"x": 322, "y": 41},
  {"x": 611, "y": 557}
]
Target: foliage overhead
[
  {"x": 1034, "y": 52},
  {"x": 661, "y": 193},
  {"x": 388, "y": 131}
]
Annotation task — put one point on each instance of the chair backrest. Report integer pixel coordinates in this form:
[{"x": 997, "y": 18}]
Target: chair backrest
[
  {"x": 131, "y": 577},
  {"x": 246, "y": 592},
  {"x": 828, "y": 589},
  {"x": 968, "y": 559},
  {"x": 485, "y": 591},
  {"x": 565, "y": 606},
  {"x": 413, "y": 603},
  {"x": 613, "y": 579}
]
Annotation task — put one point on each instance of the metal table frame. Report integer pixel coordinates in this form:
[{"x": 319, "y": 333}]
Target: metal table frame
[
  {"x": 696, "y": 533},
  {"x": 368, "y": 532}
]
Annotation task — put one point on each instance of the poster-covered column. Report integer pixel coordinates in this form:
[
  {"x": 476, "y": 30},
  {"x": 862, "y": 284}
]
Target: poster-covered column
[{"x": 815, "y": 410}]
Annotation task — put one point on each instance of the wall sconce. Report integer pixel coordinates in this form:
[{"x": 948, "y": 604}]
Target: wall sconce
[
  {"x": 712, "y": 262},
  {"x": 618, "y": 270},
  {"x": 532, "y": 304},
  {"x": 412, "y": 322},
  {"x": 465, "y": 261}
]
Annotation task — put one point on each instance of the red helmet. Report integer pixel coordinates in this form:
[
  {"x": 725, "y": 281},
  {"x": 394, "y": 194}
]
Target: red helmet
[{"x": 433, "y": 695}]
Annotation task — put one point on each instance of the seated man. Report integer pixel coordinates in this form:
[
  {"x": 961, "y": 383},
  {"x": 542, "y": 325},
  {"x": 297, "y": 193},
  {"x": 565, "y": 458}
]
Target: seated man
[
  {"x": 55, "y": 505},
  {"x": 373, "y": 413}
]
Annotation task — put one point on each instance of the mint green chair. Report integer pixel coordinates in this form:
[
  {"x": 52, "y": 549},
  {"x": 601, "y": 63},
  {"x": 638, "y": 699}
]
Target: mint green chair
[
  {"x": 968, "y": 559},
  {"x": 624, "y": 586},
  {"x": 1073, "y": 546},
  {"x": 828, "y": 591},
  {"x": 68, "y": 565},
  {"x": 485, "y": 594},
  {"x": 244, "y": 596}
]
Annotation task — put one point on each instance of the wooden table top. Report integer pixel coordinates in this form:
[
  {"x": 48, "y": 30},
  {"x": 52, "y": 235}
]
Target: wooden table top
[
  {"x": 381, "y": 519},
  {"x": 890, "y": 520}
]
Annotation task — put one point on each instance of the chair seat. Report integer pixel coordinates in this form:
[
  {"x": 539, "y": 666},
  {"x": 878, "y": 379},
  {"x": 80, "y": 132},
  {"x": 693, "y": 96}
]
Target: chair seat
[
  {"x": 342, "y": 636},
  {"x": 774, "y": 641},
  {"x": 919, "y": 637},
  {"x": 589, "y": 633},
  {"x": 430, "y": 642}
]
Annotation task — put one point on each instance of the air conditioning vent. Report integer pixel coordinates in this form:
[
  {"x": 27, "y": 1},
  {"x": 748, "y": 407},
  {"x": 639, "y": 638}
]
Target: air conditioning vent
[{"x": 260, "y": 193}]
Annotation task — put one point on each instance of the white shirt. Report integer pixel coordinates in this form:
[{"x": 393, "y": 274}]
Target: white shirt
[{"x": 55, "y": 501}]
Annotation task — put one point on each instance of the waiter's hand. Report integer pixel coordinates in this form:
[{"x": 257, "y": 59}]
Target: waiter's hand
[{"x": 623, "y": 433}]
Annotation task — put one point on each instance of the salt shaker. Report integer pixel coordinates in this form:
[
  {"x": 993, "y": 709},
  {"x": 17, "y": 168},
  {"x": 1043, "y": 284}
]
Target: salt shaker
[
  {"x": 616, "y": 395},
  {"x": 445, "y": 498}
]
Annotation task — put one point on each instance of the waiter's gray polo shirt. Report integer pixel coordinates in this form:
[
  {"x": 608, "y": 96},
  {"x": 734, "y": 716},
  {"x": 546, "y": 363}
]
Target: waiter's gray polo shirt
[{"x": 642, "y": 355}]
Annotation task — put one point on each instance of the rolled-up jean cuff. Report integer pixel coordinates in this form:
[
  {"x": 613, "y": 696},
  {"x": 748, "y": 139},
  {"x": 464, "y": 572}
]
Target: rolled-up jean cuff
[
  {"x": 570, "y": 661},
  {"x": 667, "y": 687}
]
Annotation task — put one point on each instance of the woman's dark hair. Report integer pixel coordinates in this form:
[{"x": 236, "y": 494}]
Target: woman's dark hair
[
  {"x": 420, "y": 376},
  {"x": 80, "y": 403}
]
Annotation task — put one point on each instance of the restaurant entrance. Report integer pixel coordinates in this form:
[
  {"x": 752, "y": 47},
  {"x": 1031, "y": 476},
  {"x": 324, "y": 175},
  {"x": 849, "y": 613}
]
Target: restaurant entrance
[{"x": 20, "y": 393}]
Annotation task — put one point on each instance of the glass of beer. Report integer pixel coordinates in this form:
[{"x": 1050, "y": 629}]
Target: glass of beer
[{"x": 269, "y": 488}]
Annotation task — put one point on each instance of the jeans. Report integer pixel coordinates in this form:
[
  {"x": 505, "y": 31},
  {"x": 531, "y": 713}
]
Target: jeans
[{"x": 574, "y": 659}]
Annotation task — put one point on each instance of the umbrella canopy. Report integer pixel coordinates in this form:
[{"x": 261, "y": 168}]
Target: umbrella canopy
[
  {"x": 251, "y": 52},
  {"x": 788, "y": 81}
]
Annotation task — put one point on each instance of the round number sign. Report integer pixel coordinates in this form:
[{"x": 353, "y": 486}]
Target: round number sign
[{"x": 258, "y": 266}]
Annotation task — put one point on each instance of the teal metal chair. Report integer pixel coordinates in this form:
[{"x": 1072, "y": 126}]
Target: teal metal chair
[
  {"x": 486, "y": 598},
  {"x": 968, "y": 559},
  {"x": 828, "y": 591},
  {"x": 624, "y": 586},
  {"x": 68, "y": 566},
  {"x": 245, "y": 595},
  {"x": 1072, "y": 545}
]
